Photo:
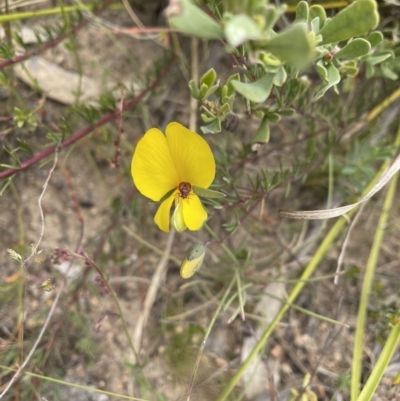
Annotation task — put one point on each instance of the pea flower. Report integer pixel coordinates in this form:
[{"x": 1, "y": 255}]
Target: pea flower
[{"x": 169, "y": 168}]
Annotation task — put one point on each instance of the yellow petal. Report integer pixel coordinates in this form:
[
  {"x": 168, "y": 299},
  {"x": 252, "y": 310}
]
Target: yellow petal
[
  {"x": 194, "y": 214},
  {"x": 177, "y": 220},
  {"x": 192, "y": 156},
  {"x": 153, "y": 169},
  {"x": 162, "y": 216}
]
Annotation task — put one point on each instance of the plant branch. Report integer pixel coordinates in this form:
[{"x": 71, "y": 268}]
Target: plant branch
[{"x": 82, "y": 133}]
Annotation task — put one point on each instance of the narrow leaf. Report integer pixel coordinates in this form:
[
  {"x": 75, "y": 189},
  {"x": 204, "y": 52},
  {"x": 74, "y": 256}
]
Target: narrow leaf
[{"x": 207, "y": 193}]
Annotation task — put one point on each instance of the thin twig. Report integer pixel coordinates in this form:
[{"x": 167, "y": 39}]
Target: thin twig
[{"x": 34, "y": 249}]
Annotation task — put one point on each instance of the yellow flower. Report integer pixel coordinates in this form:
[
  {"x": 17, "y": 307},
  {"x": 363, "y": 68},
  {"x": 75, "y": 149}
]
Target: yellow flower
[{"x": 174, "y": 163}]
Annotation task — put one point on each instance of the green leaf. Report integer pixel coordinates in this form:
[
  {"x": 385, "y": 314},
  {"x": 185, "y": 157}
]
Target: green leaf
[
  {"x": 241, "y": 28},
  {"x": 318, "y": 11},
  {"x": 280, "y": 77},
  {"x": 302, "y": 11},
  {"x": 288, "y": 112},
  {"x": 25, "y": 146},
  {"x": 322, "y": 72},
  {"x": 273, "y": 117},
  {"x": 389, "y": 73},
  {"x": 315, "y": 25},
  {"x": 209, "y": 77},
  {"x": 4, "y": 184},
  {"x": 230, "y": 88},
  {"x": 210, "y": 91},
  {"x": 355, "y": 20},
  {"x": 194, "y": 90},
  {"x": 191, "y": 20},
  {"x": 375, "y": 38},
  {"x": 224, "y": 108},
  {"x": 378, "y": 58},
  {"x": 10, "y": 166},
  {"x": 333, "y": 78},
  {"x": 293, "y": 45},
  {"x": 269, "y": 60},
  {"x": 257, "y": 91},
  {"x": 349, "y": 70},
  {"x": 356, "y": 48},
  {"x": 212, "y": 128},
  {"x": 262, "y": 135},
  {"x": 207, "y": 193},
  {"x": 208, "y": 118},
  {"x": 271, "y": 16}
]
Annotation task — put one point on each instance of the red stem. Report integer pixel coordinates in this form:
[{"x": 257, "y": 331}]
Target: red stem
[{"x": 80, "y": 134}]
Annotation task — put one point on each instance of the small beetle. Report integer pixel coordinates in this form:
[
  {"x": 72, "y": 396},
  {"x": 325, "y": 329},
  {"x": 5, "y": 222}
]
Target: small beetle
[{"x": 184, "y": 189}]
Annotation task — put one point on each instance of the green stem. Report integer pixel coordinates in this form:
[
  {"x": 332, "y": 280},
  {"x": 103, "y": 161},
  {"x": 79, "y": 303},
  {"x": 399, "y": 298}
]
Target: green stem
[
  {"x": 367, "y": 284},
  {"x": 380, "y": 367}
]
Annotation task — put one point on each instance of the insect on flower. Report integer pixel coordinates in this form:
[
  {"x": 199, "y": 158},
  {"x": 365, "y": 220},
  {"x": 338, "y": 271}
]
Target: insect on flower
[{"x": 184, "y": 189}]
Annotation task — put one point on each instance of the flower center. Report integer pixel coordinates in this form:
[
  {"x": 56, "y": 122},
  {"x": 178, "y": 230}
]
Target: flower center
[{"x": 184, "y": 189}]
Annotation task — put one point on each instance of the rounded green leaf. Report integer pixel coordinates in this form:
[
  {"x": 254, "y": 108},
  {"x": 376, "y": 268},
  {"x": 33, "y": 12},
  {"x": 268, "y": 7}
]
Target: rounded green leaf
[
  {"x": 273, "y": 117},
  {"x": 293, "y": 45},
  {"x": 355, "y": 20},
  {"x": 356, "y": 48},
  {"x": 302, "y": 11},
  {"x": 375, "y": 38},
  {"x": 257, "y": 91},
  {"x": 194, "y": 90},
  {"x": 262, "y": 135},
  {"x": 318, "y": 11},
  {"x": 241, "y": 28},
  {"x": 271, "y": 16},
  {"x": 213, "y": 128},
  {"x": 322, "y": 72},
  {"x": 288, "y": 112},
  {"x": 280, "y": 77},
  {"x": 191, "y": 20},
  {"x": 209, "y": 77}
]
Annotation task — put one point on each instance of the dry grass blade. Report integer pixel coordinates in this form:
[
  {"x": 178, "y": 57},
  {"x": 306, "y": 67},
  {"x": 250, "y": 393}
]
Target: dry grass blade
[{"x": 340, "y": 211}]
